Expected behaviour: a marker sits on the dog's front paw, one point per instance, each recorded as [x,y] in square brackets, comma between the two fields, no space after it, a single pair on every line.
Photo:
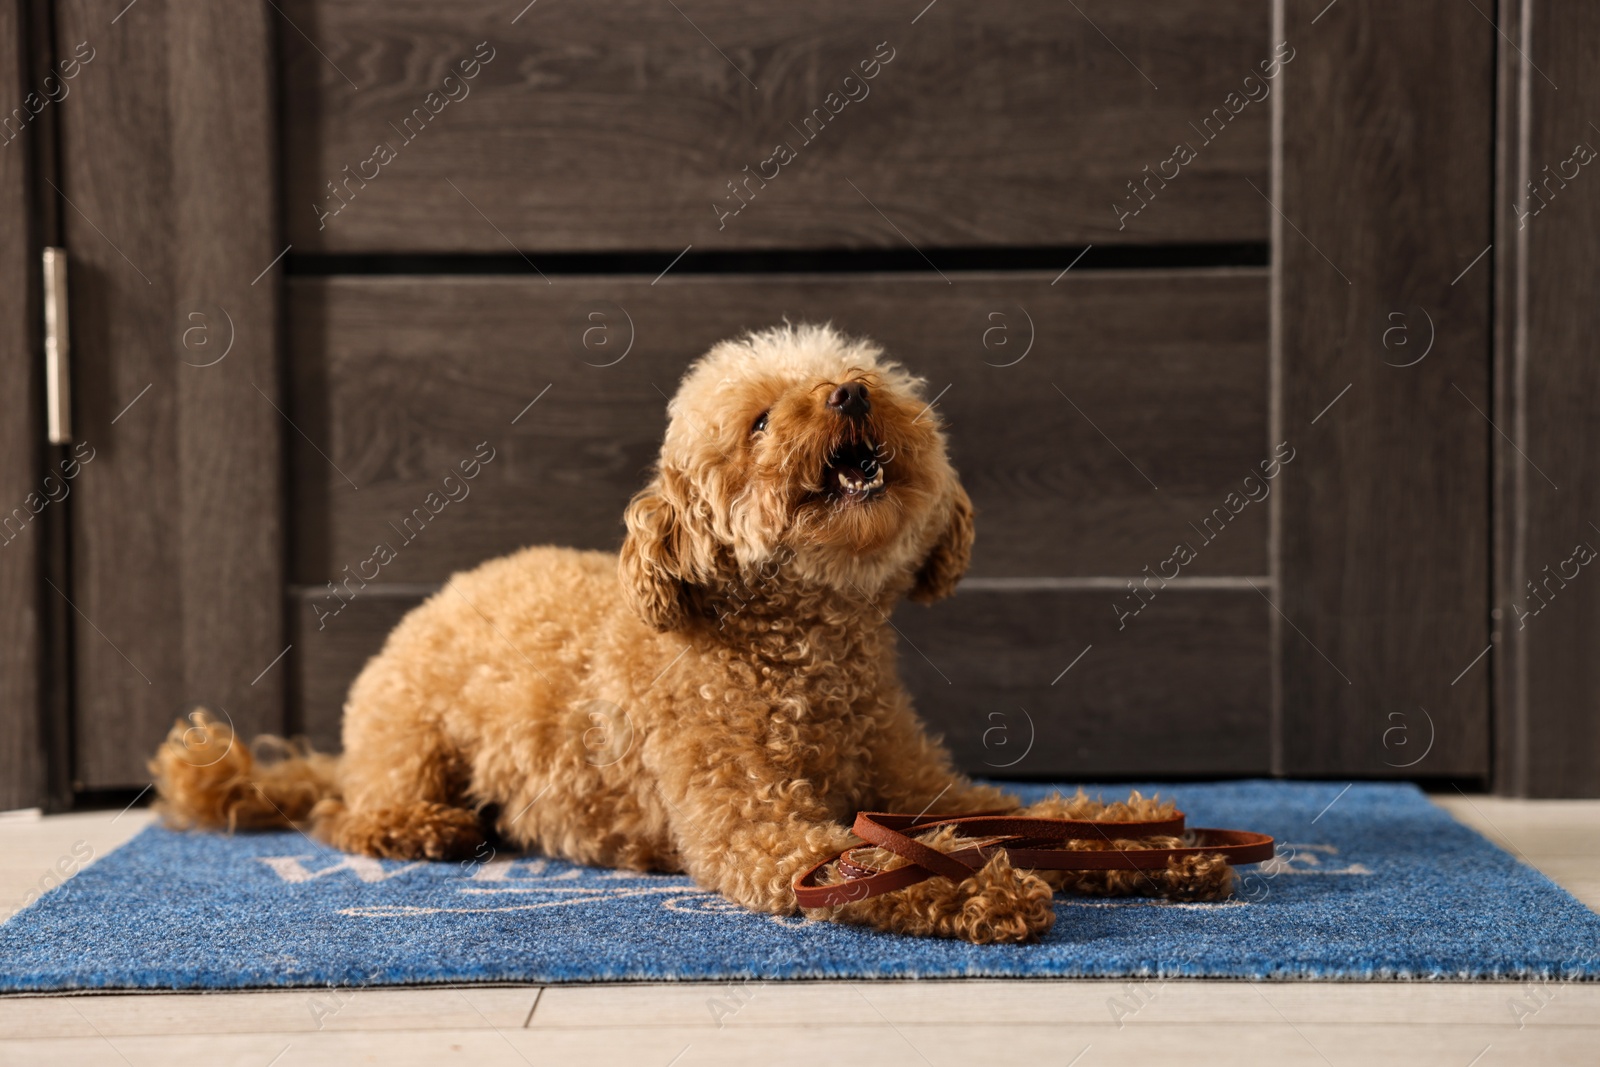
[996,905]
[1003,905]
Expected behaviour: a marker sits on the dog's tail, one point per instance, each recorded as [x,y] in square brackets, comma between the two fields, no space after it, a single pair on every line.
[205,777]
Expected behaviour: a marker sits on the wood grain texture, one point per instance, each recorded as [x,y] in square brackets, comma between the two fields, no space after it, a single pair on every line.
[178,568]
[1181,689]
[289,1012]
[1133,381]
[1547,601]
[913,1004]
[619,126]
[1386,175]
[1279,1043]
[22,763]
[330,651]
[1512,84]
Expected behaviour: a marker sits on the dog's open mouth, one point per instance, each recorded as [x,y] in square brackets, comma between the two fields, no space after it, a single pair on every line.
[853,472]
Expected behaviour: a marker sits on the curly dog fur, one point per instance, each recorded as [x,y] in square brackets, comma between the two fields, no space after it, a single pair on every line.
[718,699]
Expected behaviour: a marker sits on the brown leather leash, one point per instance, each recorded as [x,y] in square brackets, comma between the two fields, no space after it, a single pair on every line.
[1032,843]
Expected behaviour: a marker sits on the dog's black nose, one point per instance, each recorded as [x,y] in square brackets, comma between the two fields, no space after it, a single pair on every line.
[850,400]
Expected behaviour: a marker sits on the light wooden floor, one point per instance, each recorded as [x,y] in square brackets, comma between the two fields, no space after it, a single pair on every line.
[1057,1023]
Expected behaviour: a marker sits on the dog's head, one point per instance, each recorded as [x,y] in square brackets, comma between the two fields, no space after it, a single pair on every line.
[796,452]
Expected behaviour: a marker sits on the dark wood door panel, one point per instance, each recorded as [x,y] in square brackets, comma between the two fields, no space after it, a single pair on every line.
[1386,521]
[24,494]
[1097,422]
[1047,683]
[1547,601]
[620,125]
[169,216]
[329,652]
[1037,683]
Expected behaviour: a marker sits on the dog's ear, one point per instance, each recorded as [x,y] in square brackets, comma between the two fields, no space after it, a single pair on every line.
[947,561]
[656,562]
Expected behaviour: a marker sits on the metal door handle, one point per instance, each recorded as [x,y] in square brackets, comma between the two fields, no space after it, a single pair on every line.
[57,349]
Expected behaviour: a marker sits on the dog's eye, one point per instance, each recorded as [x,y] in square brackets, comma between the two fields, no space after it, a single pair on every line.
[760,423]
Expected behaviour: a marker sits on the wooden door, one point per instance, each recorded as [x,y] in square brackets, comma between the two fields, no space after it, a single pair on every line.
[1147,257]
[167,210]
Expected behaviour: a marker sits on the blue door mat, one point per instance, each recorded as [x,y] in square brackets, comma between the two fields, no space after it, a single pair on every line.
[1372,882]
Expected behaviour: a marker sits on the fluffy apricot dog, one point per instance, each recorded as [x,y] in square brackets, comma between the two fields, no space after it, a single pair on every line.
[720,699]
